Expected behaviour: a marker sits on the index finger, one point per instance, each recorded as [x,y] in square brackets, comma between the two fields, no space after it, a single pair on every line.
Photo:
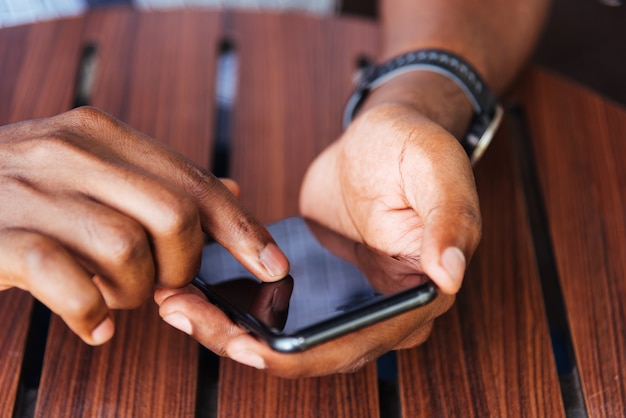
[236,229]
[221,215]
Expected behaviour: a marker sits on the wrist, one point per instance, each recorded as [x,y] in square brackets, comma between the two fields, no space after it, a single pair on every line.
[433,95]
[487,112]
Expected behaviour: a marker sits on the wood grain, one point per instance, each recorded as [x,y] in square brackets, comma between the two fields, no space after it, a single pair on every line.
[491,354]
[155,73]
[15,307]
[41,68]
[147,369]
[295,75]
[248,393]
[580,144]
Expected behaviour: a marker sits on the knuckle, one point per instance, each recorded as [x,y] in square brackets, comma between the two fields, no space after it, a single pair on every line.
[129,294]
[447,301]
[87,115]
[470,214]
[242,227]
[473,216]
[52,145]
[40,255]
[198,181]
[80,306]
[177,215]
[416,338]
[91,122]
[125,243]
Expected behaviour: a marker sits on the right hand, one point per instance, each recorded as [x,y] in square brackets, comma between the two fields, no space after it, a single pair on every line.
[94,214]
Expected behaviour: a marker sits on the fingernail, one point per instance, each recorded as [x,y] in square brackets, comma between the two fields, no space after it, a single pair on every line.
[273,260]
[103,332]
[453,260]
[179,321]
[248,358]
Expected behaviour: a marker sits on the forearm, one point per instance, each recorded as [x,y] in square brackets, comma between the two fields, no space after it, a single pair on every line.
[494,36]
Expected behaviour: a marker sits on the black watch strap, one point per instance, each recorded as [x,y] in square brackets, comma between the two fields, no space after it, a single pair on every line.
[487,112]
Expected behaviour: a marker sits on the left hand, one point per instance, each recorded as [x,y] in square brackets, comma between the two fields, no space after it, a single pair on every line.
[402,185]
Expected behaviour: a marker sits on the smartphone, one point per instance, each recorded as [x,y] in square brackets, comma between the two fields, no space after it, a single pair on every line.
[335,286]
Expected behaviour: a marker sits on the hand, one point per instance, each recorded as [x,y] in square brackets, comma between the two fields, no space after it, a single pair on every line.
[403,186]
[95,215]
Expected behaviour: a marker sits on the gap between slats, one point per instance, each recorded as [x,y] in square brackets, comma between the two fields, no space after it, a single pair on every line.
[558,325]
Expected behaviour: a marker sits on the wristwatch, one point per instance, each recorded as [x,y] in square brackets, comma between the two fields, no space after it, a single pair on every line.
[487,111]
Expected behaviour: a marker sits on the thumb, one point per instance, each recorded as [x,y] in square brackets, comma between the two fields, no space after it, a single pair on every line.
[451,235]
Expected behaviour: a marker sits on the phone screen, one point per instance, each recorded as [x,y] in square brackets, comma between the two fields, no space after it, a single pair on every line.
[335,286]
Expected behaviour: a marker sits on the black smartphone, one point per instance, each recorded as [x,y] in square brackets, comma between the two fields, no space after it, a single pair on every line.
[335,286]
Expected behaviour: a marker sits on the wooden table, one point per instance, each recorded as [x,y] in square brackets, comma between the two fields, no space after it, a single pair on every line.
[552,262]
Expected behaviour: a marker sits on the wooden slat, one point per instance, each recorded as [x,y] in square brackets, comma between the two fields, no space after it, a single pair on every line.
[170,89]
[12,51]
[155,73]
[15,307]
[491,354]
[31,86]
[295,75]
[248,393]
[47,60]
[580,144]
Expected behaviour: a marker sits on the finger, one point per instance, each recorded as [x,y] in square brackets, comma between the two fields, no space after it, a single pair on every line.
[242,235]
[106,242]
[221,215]
[451,234]
[164,210]
[169,216]
[189,311]
[41,266]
